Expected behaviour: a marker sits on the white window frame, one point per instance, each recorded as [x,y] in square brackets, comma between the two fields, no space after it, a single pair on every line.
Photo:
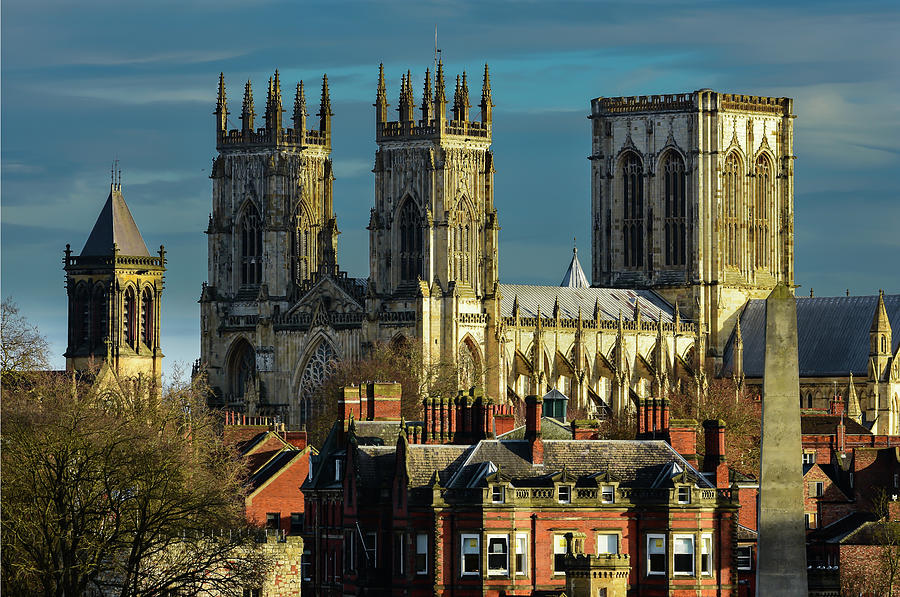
[693,554]
[495,490]
[809,458]
[749,549]
[374,538]
[462,554]
[683,489]
[559,494]
[816,488]
[559,542]
[651,537]
[337,469]
[521,542]
[497,571]
[601,535]
[400,542]
[611,489]
[811,521]
[421,550]
[706,545]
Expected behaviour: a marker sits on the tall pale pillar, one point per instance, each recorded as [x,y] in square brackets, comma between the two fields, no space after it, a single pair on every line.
[782,537]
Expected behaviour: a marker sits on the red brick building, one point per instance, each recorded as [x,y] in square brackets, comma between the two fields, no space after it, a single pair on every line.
[446,508]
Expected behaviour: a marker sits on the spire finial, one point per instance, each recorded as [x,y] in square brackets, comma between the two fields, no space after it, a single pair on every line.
[325,113]
[221,105]
[486,102]
[300,112]
[248,113]
[381,103]
[427,101]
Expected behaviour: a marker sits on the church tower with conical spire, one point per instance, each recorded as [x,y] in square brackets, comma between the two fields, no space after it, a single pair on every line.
[114,287]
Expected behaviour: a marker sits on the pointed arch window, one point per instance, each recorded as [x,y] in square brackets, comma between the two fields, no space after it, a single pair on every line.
[633,214]
[147,318]
[675,206]
[318,367]
[301,247]
[98,322]
[81,322]
[241,368]
[462,245]
[410,230]
[760,219]
[733,205]
[251,247]
[130,317]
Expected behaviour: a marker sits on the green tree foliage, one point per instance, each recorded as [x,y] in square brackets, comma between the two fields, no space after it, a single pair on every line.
[105,490]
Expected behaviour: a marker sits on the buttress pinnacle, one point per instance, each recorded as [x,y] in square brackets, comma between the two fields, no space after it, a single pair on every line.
[300,112]
[248,112]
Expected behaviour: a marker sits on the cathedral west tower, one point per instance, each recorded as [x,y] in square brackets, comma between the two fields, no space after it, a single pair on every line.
[272,233]
[692,196]
[114,289]
[433,229]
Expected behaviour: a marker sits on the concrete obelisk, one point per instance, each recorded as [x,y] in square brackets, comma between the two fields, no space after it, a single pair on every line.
[781,561]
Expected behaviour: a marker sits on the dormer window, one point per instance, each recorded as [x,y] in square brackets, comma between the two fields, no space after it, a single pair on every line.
[564,494]
[608,494]
[683,494]
[498,494]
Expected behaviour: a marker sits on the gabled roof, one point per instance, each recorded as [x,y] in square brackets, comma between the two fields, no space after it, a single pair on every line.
[827,425]
[840,529]
[610,300]
[115,225]
[833,335]
[272,468]
[550,429]
[574,276]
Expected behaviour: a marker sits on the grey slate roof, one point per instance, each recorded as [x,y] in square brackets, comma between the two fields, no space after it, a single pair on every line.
[827,425]
[115,225]
[833,334]
[550,429]
[574,276]
[636,463]
[611,300]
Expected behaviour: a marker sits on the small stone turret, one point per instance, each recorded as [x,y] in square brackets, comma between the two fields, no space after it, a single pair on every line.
[427,100]
[880,340]
[440,95]
[274,107]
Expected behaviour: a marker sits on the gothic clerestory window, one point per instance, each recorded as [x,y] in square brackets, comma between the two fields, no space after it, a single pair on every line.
[81,317]
[733,205]
[633,214]
[674,205]
[762,209]
[410,230]
[301,247]
[251,247]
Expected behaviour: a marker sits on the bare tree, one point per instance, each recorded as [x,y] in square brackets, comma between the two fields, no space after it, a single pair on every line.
[723,399]
[104,491]
[22,348]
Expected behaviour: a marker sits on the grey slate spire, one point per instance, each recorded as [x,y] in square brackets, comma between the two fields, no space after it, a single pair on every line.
[115,226]
[575,277]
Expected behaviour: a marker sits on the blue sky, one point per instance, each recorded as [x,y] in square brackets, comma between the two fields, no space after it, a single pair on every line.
[84,83]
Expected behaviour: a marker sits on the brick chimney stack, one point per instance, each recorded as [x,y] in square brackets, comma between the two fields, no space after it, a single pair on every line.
[683,438]
[715,461]
[534,407]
